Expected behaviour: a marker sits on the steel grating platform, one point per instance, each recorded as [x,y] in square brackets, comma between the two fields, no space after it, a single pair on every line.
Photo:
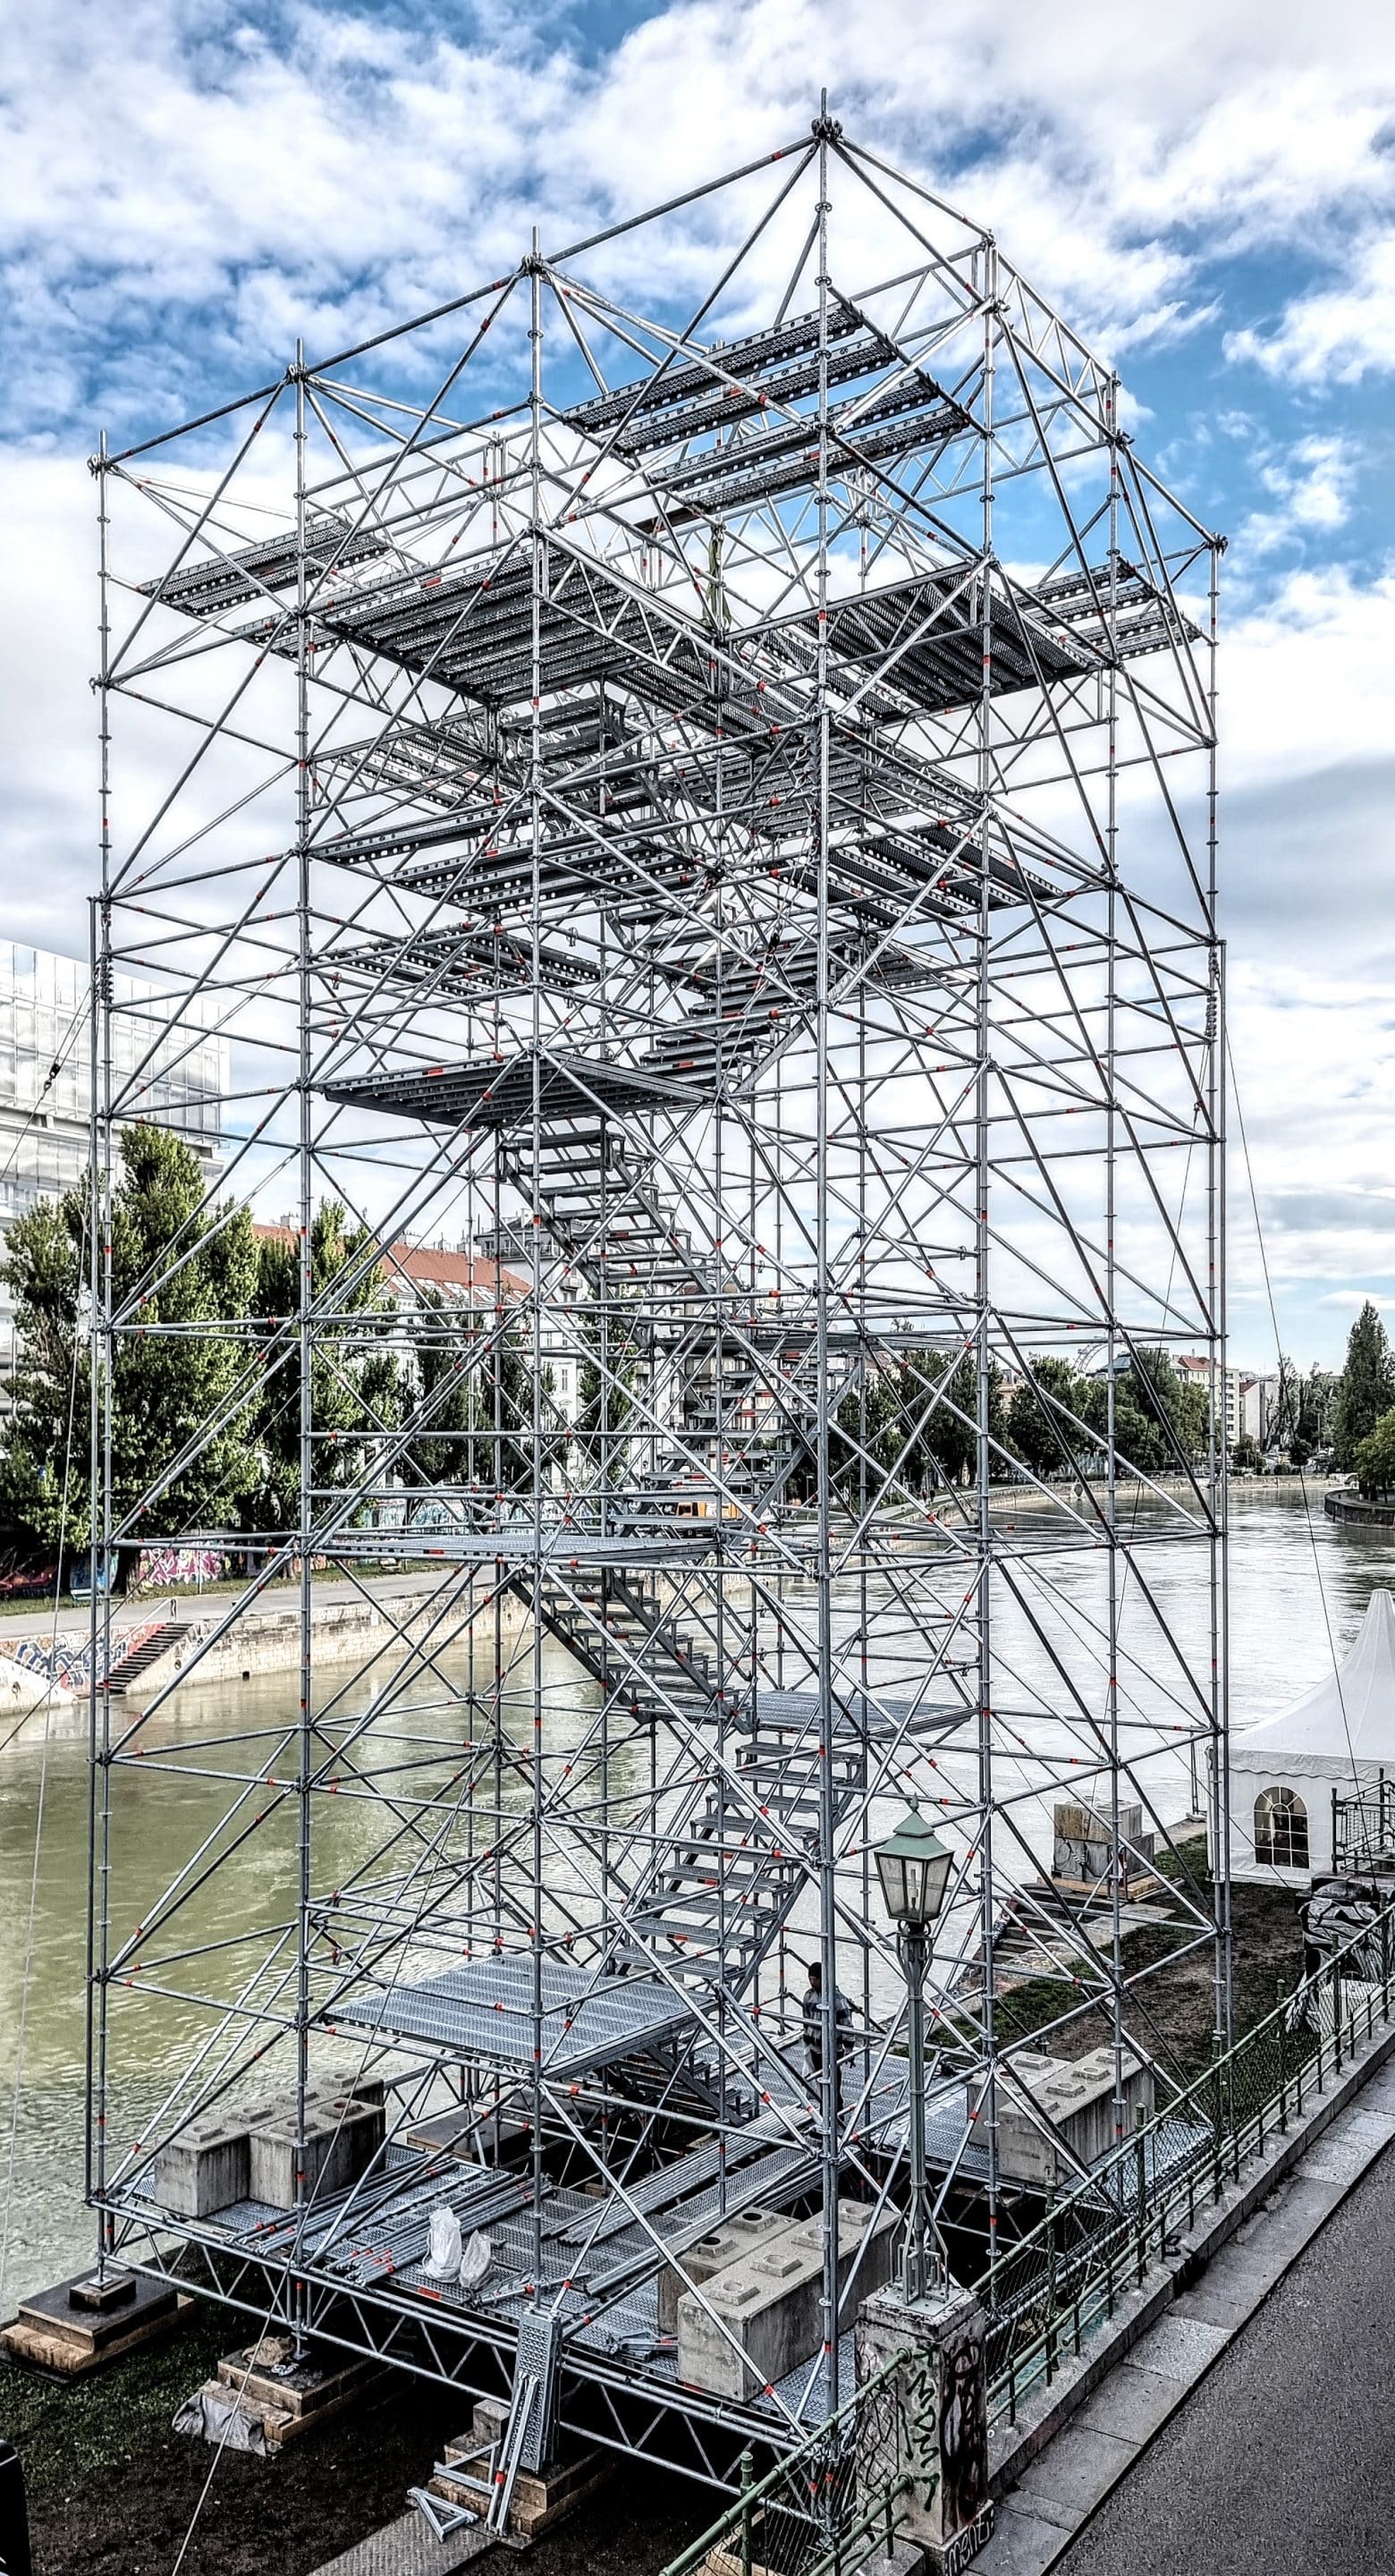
[484,2008]
[490,1094]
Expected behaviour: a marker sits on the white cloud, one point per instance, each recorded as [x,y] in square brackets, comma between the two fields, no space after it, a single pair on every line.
[1311,486]
[175,161]
[1334,334]
[1308,680]
[182,194]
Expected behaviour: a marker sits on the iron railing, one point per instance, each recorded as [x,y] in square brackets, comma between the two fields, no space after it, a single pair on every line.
[839,2498]
[1047,2293]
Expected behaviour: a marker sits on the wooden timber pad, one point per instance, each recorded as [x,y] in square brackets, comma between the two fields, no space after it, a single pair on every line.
[287,2397]
[81,2324]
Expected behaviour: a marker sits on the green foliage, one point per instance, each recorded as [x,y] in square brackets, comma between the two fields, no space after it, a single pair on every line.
[606,1380]
[912,1427]
[175,1408]
[1367,1388]
[474,1402]
[1317,1408]
[448,1397]
[1042,1436]
[356,1388]
[1375,1456]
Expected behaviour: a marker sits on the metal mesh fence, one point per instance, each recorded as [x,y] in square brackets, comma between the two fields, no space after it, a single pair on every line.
[1046,2294]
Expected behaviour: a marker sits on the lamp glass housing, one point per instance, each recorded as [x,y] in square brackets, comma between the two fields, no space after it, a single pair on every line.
[913,1866]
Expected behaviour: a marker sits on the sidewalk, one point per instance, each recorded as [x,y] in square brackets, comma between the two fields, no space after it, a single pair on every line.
[34,1620]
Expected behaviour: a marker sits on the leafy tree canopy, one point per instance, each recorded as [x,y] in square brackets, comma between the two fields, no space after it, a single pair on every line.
[179,1398]
[356,1391]
[1368,1385]
[1375,1456]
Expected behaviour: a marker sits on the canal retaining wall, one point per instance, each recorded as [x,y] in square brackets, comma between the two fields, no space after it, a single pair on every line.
[265,1641]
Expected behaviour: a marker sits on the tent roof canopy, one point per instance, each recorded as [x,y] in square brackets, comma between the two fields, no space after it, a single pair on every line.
[1347,1722]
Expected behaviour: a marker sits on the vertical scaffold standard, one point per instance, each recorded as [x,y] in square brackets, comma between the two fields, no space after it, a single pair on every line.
[709,809]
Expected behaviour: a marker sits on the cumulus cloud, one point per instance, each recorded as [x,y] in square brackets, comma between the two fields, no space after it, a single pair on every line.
[1335,333]
[209,186]
[185,189]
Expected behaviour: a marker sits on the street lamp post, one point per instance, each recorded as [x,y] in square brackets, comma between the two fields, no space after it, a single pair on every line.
[913,1866]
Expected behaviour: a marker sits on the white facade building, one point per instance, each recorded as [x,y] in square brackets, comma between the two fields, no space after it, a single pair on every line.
[1197,1372]
[178,1076]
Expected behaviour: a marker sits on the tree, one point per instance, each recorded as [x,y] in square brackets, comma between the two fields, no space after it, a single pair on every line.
[1317,1408]
[447,1402]
[1375,1456]
[606,1379]
[1044,1439]
[1368,1385]
[355,1378]
[917,1423]
[180,1423]
[1285,1421]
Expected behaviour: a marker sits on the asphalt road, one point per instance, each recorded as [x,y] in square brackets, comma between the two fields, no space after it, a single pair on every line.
[1282,2461]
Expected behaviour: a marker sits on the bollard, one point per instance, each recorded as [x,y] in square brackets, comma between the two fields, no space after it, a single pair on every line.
[14,2515]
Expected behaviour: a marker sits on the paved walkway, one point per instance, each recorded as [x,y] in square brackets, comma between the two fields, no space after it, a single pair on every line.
[1252,2428]
[36,1621]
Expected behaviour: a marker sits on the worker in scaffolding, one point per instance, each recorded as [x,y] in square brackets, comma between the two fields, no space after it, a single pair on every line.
[814,2022]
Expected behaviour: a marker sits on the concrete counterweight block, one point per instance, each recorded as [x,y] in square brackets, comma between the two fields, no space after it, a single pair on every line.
[204,2168]
[342,2136]
[1084,1847]
[210,2164]
[1066,2119]
[749,2232]
[768,2307]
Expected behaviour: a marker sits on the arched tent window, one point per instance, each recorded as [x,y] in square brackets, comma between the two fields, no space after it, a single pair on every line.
[1281,1829]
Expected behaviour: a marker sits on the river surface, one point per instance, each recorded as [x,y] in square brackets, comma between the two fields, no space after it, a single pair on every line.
[1299,1585]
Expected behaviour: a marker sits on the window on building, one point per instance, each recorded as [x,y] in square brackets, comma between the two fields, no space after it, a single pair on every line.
[1281,1829]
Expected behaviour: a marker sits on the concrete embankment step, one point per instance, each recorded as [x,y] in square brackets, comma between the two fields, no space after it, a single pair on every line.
[158,1641]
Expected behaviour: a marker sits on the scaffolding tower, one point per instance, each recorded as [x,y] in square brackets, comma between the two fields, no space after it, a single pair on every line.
[710,807]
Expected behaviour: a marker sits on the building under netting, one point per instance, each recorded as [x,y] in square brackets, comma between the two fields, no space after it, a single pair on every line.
[715,797]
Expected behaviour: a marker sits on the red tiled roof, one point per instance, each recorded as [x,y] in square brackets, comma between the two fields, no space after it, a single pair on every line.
[429,1265]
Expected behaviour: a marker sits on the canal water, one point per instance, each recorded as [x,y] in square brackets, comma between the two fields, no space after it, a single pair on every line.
[1299,1585]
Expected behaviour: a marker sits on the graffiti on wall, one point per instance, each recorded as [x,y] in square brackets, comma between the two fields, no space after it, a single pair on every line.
[157,1567]
[963,2430]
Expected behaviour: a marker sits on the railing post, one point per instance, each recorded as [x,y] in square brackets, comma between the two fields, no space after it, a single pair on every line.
[1140,2170]
[1336,2017]
[1283,2060]
[746,2470]
[1050,2283]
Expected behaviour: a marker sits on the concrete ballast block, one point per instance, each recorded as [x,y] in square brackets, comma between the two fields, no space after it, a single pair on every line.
[771,2303]
[204,2168]
[341,2139]
[1067,2118]
[749,2232]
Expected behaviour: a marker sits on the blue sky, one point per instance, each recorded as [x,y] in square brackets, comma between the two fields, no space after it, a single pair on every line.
[1208,191]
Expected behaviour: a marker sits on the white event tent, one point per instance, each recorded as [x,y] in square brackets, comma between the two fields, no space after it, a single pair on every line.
[1285,1773]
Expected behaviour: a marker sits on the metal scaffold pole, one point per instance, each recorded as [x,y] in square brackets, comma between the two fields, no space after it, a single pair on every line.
[650,918]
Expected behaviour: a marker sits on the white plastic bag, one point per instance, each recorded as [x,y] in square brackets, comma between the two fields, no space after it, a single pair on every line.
[443,2244]
[476,2259]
